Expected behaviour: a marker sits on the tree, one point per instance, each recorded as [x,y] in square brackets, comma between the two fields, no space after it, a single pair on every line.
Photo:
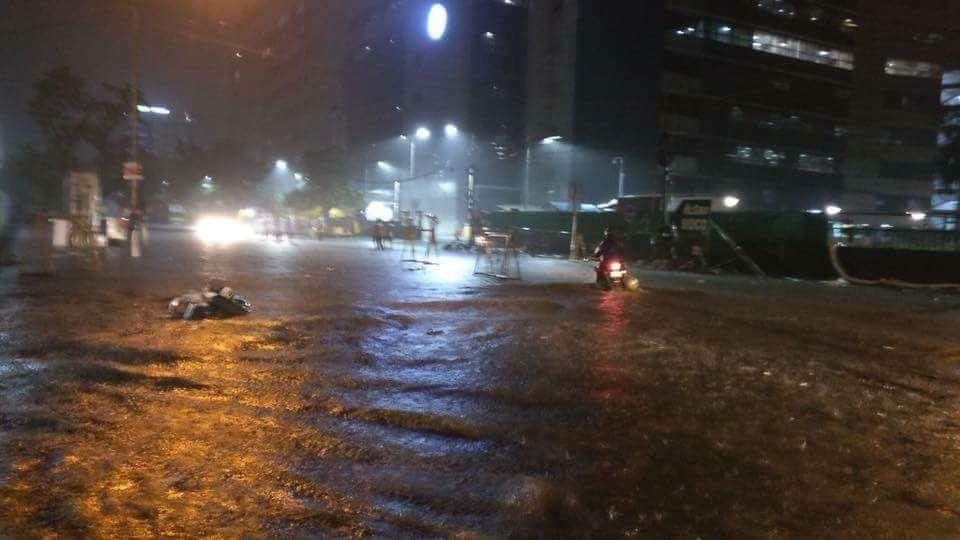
[328,185]
[234,174]
[59,107]
[79,128]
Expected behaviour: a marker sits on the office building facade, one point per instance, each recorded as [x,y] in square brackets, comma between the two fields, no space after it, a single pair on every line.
[781,104]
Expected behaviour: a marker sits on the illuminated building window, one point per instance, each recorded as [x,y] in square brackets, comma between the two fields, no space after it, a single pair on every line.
[780,8]
[817,164]
[951,78]
[757,156]
[801,50]
[950,97]
[767,42]
[909,68]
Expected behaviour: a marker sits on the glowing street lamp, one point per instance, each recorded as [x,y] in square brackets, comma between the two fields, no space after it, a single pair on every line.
[731,202]
[437,22]
[281,165]
[833,210]
[423,133]
[451,130]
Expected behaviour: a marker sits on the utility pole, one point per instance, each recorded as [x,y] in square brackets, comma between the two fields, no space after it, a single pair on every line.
[134,179]
[620,161]
[413,157]
[396,199]
[526,176]
[574,192]
[472,205]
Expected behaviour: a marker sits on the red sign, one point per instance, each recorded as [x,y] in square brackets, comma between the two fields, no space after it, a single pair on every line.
[132,171]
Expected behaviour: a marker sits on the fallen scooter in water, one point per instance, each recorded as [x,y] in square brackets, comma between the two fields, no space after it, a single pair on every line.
[215,301]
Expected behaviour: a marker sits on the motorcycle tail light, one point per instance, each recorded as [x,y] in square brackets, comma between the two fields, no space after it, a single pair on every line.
[615,265]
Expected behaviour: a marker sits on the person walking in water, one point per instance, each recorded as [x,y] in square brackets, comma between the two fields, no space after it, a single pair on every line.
[378,235]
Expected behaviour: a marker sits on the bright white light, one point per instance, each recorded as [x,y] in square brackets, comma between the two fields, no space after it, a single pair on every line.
[448,187]
[437,22]
[552,139]
[833,210]
[384,166]
[222,231]
[153,110]
[489,35]
[297,176]
[815,211]
[423,133]
[281,164]
[451,130]
[248,213]
[731,201]
[378,210]
[725,29]
[918,216]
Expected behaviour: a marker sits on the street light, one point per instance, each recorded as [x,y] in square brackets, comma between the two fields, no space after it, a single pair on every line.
[451,130]
[730,201]
[423,133]
[621,176]
[833,210]
[528,159]
[297,176]
[437,22]
[384,166]
[281,165]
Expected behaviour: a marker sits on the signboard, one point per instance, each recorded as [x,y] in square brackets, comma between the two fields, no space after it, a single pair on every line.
[132,171]
[83,196]
[692,216]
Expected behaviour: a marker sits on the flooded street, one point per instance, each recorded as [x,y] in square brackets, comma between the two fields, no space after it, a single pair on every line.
[365,396]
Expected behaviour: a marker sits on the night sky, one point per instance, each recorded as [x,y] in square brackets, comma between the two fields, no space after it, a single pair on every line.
[185,45]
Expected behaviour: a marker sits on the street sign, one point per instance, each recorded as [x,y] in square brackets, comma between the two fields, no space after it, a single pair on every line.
[132,170]
[692,216]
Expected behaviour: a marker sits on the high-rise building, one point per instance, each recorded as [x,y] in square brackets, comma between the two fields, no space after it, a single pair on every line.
[286,77]
[434,87]
[399,88]
[784,104]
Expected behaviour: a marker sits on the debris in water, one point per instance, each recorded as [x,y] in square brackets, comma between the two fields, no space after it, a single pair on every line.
[215,300]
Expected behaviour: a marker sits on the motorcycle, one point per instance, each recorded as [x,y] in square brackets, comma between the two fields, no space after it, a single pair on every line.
[612,273]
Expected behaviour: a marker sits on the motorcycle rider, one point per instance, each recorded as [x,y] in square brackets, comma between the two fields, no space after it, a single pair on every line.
[609,248]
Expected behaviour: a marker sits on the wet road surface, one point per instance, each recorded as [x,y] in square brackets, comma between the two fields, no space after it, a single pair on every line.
[366,396]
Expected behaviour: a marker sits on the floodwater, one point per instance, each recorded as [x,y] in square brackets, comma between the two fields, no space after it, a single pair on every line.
[366,396]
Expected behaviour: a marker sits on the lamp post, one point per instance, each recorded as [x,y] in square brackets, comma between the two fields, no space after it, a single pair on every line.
[622,175]
[526,177]
[134,126]
[528,160]
[396,198]
[422,134]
